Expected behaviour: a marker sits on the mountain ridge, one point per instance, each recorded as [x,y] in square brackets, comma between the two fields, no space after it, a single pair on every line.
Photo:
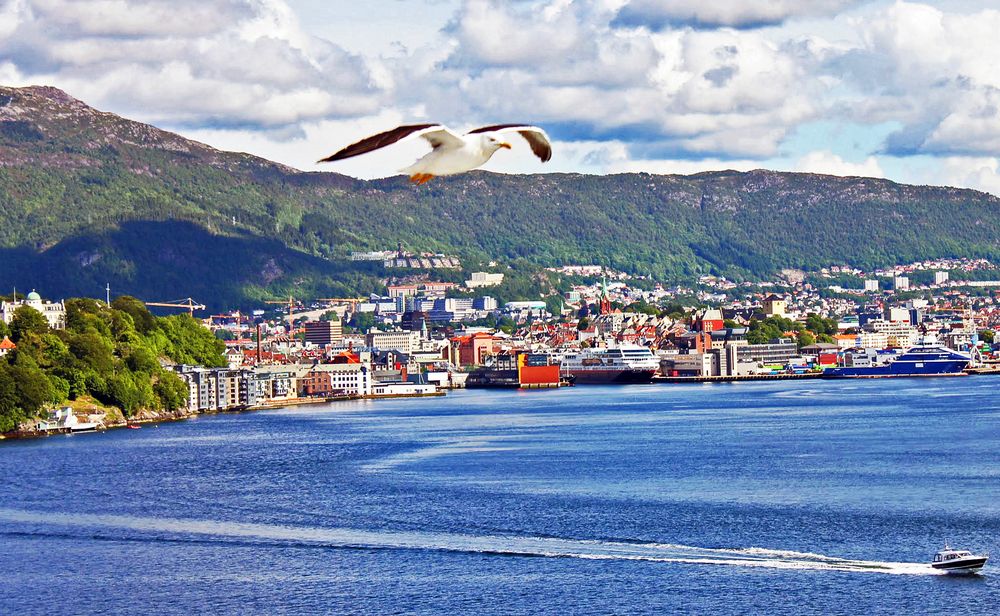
[70,174]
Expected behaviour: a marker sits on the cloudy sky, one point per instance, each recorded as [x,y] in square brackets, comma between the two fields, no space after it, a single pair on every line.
[903,90]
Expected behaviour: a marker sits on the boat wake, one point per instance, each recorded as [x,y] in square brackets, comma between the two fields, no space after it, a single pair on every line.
[129,528]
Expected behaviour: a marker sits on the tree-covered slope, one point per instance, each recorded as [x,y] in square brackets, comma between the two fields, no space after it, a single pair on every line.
[108,353]
[89,197]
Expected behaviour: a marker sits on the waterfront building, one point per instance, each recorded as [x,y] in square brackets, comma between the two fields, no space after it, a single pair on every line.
[872,340]
[473,349]
[775,353]
[54,312]
[351,379]
[899,334]
[218,389]
[882,334]
[394,390]
[403,341]
[275,383]
[687,364]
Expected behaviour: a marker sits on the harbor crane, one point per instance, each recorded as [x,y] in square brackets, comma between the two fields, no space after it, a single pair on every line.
[291,307]
[187,303]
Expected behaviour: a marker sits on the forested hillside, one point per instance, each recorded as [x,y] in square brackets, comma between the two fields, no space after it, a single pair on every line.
[90,198]
[111,354]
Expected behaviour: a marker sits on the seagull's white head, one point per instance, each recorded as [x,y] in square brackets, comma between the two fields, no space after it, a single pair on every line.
[491,142]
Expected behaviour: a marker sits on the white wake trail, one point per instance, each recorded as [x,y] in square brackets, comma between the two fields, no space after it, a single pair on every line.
[506,545]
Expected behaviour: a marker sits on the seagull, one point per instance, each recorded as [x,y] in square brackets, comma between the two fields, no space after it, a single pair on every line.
[452,153]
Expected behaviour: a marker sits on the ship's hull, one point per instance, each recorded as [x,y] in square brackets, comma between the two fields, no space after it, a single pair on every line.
[618,376]
[528,377]
[899,369]
[962,565]
[492,379]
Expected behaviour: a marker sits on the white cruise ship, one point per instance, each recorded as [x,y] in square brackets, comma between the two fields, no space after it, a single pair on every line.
[626,364]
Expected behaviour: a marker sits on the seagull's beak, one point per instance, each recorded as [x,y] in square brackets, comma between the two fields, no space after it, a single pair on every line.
[503,144]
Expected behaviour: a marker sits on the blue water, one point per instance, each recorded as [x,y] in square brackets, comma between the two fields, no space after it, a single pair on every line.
[785,497]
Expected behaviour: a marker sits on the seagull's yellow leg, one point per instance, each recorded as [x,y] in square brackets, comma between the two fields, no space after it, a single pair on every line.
[427,177]
[415,178]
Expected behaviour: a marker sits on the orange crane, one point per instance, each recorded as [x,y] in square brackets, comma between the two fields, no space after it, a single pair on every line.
[291,306]
[188,303]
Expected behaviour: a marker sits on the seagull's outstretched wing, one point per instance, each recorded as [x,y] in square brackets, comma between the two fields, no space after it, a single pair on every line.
[436,134]
[535,136]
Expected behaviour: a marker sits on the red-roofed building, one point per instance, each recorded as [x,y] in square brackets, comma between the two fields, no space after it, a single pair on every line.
[473,349]
[266,357]
[6,346]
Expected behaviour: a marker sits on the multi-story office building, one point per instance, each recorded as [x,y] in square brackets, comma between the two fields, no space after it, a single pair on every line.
[323,333]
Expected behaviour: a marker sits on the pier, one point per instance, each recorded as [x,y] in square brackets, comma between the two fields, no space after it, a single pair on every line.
[736,378]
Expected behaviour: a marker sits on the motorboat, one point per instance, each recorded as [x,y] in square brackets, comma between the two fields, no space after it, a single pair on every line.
[958,561]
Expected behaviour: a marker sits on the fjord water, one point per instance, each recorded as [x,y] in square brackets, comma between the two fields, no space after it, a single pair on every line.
[804,497]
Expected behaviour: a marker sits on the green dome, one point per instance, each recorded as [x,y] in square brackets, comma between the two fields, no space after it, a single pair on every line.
[34,297]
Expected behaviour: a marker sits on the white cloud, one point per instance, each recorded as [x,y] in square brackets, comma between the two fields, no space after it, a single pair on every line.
[691,93]
[826,162]
[980,173]
[742,14]
[193,63]
[929,70]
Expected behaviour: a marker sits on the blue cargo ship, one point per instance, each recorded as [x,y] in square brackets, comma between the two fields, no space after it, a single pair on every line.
[926,358]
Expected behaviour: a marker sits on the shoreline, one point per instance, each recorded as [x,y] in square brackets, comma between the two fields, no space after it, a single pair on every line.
[158,417]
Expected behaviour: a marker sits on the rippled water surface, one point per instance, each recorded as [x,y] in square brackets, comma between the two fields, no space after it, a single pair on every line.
[786,497]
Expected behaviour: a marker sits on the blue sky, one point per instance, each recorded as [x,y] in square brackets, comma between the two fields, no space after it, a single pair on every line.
[903,90]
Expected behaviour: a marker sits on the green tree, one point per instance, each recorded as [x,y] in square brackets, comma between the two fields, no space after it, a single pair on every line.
[554,304]
[11,413]
[143,319]
[362,321]
[34,390]
[171,391]
[27,321]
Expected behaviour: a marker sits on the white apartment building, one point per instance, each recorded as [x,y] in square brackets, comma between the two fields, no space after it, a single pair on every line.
[484,279]
[54,312]
[402,341]
[881,334]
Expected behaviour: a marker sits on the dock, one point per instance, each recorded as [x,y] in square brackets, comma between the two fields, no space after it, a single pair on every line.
[985,369]
[736,378]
